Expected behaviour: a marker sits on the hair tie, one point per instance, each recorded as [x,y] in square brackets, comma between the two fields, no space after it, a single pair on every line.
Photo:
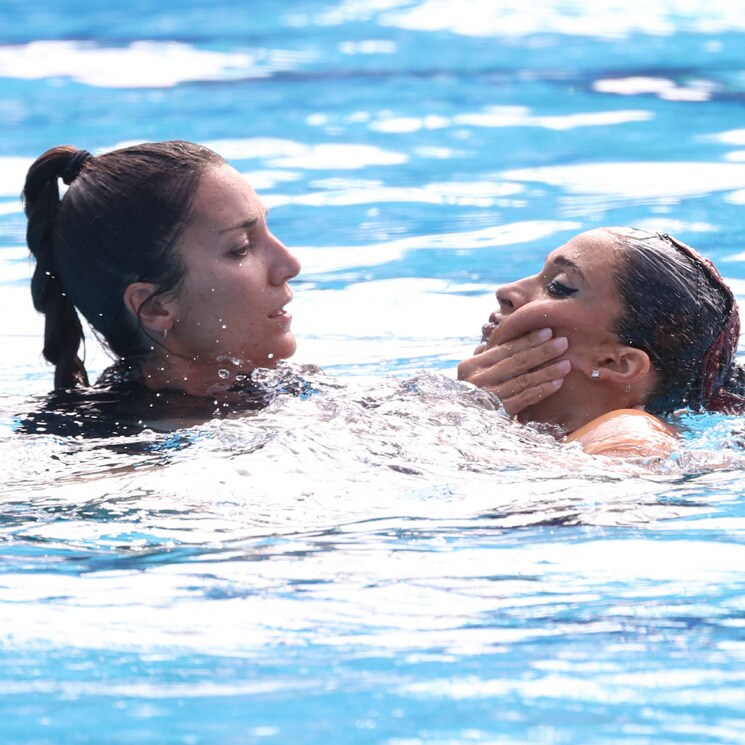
[72,169]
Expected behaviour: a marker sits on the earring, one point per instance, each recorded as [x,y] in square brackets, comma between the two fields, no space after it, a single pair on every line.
[595,373]
[165,333]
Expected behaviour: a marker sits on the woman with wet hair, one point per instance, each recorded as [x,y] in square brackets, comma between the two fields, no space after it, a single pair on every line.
[164,250]
[648,325]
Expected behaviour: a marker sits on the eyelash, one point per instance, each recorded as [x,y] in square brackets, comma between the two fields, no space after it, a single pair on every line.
[241,252]
[558,289]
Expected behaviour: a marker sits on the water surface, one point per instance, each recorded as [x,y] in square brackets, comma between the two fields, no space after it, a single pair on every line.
[388,560]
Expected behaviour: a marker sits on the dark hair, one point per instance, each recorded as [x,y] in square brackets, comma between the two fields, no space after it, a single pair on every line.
[680,312]
[116,224]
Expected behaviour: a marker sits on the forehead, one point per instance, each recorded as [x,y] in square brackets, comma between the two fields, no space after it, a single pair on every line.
[596,253]
[224,198]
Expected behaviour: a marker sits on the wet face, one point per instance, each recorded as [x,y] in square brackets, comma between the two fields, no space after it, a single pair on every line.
[230,308]
[575,294]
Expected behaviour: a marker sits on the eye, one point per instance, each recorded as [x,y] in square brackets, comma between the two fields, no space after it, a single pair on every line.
[240,252]
[559,289]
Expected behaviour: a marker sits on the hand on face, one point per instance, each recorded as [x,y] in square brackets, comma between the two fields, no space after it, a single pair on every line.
[519,371]
[573,299]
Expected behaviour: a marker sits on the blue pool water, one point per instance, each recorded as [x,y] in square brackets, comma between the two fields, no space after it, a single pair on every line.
[388,560]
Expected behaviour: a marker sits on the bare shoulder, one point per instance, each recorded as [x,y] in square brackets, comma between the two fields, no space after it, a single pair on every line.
[626,433]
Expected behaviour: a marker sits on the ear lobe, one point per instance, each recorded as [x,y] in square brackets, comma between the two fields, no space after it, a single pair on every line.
[150,309]
[627,365]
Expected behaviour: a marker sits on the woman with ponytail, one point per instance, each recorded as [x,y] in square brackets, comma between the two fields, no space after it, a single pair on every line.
[164,250]
[649,326]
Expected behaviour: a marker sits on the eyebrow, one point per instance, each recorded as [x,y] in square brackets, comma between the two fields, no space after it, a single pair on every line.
[569,264]
[249,222]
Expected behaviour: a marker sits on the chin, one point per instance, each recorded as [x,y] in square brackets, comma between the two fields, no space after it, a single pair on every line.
[283,351]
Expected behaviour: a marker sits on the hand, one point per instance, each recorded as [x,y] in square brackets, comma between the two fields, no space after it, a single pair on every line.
[516,371]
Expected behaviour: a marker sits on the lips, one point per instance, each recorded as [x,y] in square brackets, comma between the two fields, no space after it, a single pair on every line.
[281,313]
[488,328]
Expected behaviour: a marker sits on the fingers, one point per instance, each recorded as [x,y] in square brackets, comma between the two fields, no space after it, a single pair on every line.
[515,386]
[530,396]
[518,393]
[519,372]
[495,366]
[520,343]
[510,347]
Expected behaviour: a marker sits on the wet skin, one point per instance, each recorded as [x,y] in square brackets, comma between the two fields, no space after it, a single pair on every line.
[229,312]
[574,296]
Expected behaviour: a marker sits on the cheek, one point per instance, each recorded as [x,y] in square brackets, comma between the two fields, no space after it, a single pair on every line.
[537,315]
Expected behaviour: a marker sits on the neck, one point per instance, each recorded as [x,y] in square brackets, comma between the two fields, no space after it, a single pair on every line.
[195,377]
[573,407]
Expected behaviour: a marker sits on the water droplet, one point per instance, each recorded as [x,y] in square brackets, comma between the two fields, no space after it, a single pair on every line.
[224,326]
[224,374]
[270,355]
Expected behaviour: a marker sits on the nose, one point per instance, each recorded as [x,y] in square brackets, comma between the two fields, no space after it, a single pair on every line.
[512,296]
[285,265]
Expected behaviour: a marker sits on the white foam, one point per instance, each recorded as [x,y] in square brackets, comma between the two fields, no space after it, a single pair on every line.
[256,148]
[10,208]
[413,308]
[509,116]
[674,227]
[558,122]
[729,137]
[12,177]
[344,156]
[408,124]
[141,64]
[281,153]
[737,197]
[369,46]
[478,194]
[640,180]
[662,87]
[509,18]
[334,258]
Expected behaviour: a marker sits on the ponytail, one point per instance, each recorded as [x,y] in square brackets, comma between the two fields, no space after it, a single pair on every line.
[63,332]
[118,223]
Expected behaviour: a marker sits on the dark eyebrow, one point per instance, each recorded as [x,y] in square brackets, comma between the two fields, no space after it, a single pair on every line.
[247,223]
[569,264]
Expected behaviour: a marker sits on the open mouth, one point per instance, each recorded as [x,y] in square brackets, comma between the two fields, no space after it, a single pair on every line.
[488,328]
[282,311]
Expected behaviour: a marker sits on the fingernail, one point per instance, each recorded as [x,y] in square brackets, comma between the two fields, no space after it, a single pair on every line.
[556,384]
[560,343]
[543,334]
[563,367]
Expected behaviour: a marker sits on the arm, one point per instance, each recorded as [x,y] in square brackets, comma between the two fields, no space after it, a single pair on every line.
[626,433]
[519,372]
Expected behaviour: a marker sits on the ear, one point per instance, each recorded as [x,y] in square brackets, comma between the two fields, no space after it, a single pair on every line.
[625,365]
[153,311]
